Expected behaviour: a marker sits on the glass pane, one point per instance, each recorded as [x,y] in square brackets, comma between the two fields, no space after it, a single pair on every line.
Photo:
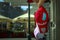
[14,18]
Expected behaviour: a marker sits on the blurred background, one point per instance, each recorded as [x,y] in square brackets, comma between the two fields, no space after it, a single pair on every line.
[14,19]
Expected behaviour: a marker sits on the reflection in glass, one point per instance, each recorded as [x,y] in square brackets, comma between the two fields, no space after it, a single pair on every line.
[18,27]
